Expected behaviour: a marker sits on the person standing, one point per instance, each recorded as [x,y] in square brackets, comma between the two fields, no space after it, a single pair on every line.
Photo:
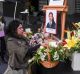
[2,39]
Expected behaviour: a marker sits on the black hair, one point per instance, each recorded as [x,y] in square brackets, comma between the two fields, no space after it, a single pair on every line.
[2,19]
[12,28]
[51,13]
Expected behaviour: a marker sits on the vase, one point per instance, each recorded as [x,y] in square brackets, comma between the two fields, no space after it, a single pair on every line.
[75,61]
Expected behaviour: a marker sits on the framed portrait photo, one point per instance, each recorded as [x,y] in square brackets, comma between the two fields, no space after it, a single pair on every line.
[51,21]
[56,2]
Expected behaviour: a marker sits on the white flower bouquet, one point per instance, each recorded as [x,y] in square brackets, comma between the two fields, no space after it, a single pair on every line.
[51,55]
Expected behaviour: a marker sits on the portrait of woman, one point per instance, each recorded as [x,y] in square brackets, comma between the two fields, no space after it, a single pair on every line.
[51,21]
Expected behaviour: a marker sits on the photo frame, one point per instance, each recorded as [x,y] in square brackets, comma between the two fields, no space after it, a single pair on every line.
[51,21]
[56,2]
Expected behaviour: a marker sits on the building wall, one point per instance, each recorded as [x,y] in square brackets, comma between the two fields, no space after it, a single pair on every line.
[1,8]
[71,6]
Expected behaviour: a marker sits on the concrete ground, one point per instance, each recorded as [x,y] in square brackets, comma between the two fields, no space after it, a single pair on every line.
[3,67]
[62,68]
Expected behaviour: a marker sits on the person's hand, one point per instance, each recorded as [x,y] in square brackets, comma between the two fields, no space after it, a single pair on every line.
[24,34]
[32,42]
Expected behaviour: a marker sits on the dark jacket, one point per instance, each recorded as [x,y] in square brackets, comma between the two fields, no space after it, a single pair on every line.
[53,25]
[18,53]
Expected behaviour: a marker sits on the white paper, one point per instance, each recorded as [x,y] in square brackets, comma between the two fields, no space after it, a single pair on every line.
[2,0]
[28,30]
[56,2]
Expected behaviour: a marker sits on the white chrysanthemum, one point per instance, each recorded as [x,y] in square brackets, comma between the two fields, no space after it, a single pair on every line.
[42,56]
[41,47]
[62,50]
[39,52]
[30,60]
[53,44]
[60,41]
[56,56]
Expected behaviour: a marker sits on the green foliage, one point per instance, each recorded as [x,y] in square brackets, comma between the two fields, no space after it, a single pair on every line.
[58,53]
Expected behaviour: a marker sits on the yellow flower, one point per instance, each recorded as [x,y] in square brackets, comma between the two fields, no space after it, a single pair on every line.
[71,42]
